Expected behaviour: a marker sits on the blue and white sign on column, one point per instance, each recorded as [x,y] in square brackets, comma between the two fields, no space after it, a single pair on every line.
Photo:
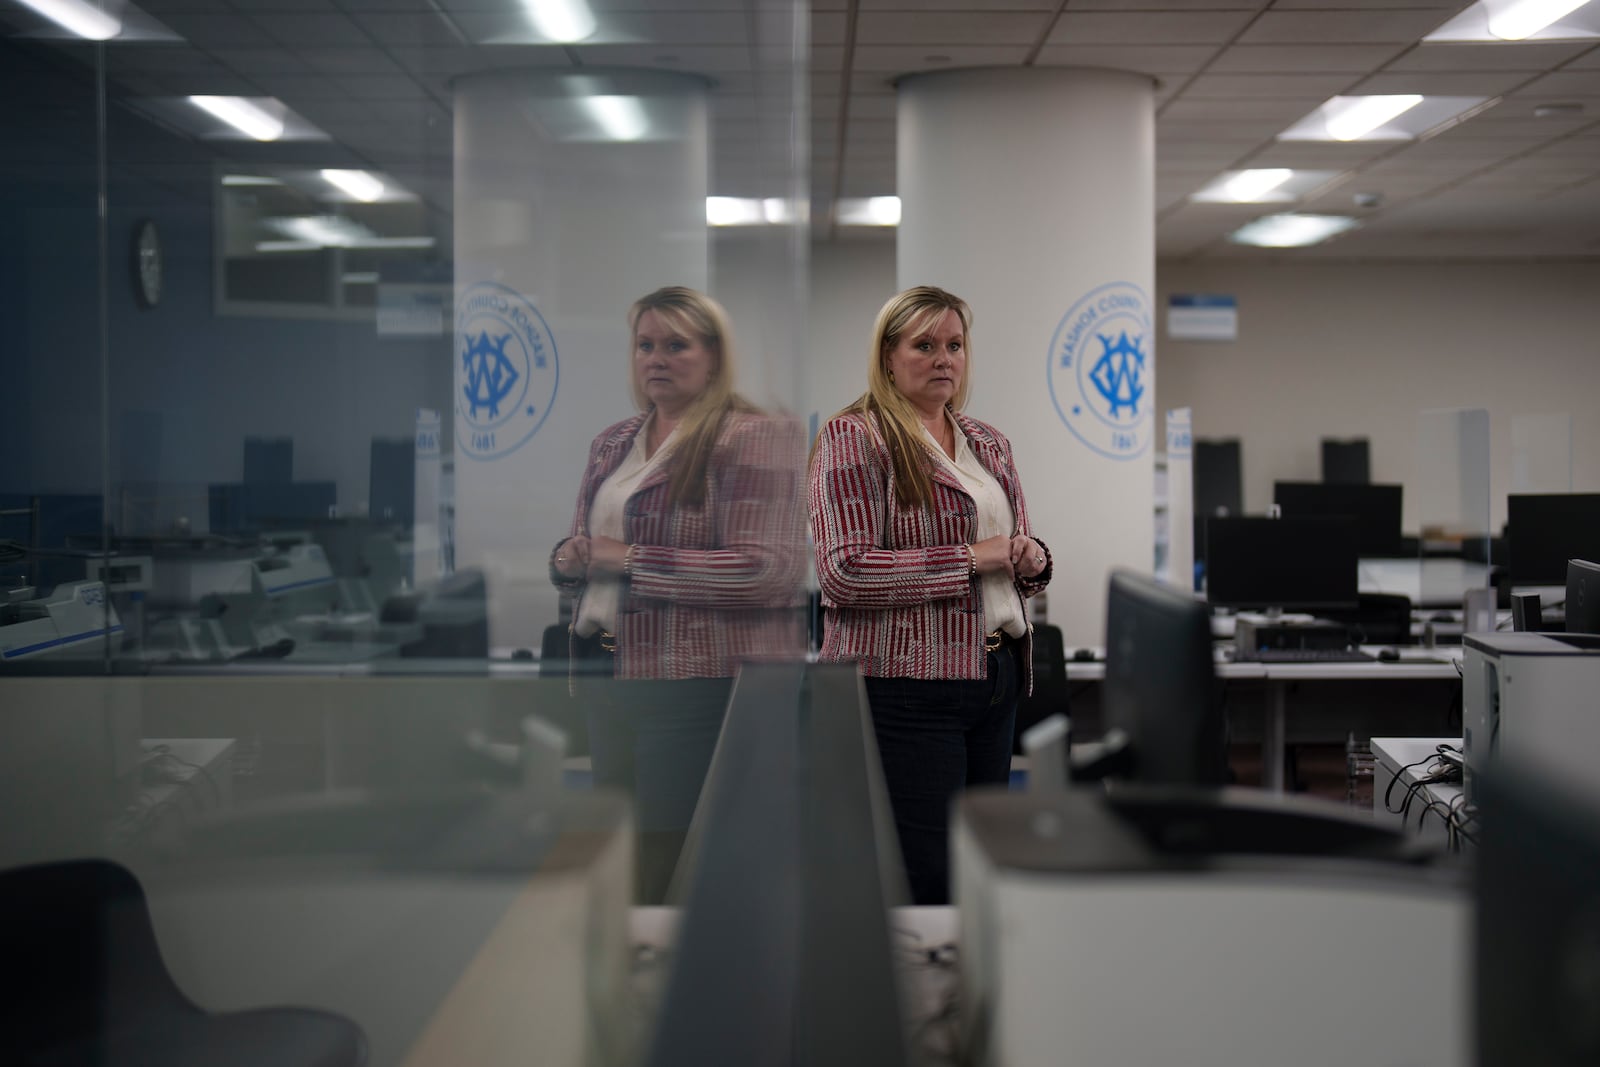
[1180,499]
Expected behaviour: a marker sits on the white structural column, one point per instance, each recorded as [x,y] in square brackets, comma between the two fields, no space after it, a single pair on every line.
[1030,194]
[575,194]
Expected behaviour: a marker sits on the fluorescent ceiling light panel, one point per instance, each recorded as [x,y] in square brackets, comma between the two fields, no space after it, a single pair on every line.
[1251,185]
[244,115]
[561,21]
[79,17]
[1527,17]
[358,183]
[620,118]
[1521,20]
[249,179]
[1341,118]
[1263,185]
[1290,231]
[1353,117]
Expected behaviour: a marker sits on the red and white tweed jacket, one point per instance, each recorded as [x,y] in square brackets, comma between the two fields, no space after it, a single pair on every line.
[713,584]
[895,581]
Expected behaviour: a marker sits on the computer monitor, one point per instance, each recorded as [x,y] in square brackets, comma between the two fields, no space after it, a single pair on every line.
[1583,597]
[1544,530]
[1301,564]
[1160,689]
[1346,462]
[1376,509]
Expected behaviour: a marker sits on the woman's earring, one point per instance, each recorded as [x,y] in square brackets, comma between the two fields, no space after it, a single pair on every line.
[891,377]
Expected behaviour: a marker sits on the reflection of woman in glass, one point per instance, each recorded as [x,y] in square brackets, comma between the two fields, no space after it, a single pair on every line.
[924,557]
[684,559]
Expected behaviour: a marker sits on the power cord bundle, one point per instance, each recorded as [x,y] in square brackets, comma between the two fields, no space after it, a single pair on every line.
[1443,770]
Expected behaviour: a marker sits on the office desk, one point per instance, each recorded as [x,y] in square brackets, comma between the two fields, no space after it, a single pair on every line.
[1392,757]
[1417,664]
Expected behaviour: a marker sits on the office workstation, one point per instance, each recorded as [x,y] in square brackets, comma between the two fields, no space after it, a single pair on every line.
[309,753]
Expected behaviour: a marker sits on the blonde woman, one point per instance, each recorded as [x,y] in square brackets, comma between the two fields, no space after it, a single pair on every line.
[924,556]
[683,559]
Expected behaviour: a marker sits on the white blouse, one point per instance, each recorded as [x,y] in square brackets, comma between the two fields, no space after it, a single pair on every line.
[597,610]
[1002,604]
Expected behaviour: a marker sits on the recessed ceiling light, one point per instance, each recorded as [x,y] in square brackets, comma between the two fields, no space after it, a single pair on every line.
[1291,231]
[1262,185]
[244,115]
[1357,116]
[1524,18]
[76,16]
[561,21]
[1521,20]
[1555,111]
[733,211]
[1384,118]
[358,183]
[868,211]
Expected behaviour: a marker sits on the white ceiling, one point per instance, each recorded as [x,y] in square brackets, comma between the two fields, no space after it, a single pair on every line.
[375,75]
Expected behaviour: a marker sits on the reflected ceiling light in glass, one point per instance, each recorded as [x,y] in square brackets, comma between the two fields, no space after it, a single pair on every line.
[621,118]
[1353,117]
[243,115]
[733,211]
[561,21]
[359,277]
[1517,21]
[358,183]
[1291,230]
[869,211]
[79,17]
[249,179]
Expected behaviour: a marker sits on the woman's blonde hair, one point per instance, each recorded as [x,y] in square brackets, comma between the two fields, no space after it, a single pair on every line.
[693,314]
[910,313]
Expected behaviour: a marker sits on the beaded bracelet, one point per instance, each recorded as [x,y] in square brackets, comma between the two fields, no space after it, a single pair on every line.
[972,562]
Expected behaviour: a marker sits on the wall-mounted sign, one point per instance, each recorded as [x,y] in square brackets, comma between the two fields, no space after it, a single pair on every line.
[1202,317]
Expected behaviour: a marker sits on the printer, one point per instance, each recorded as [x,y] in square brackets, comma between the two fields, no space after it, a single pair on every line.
[1535,696]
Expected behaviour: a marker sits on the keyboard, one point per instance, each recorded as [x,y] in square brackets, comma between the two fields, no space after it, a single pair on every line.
[1306,655]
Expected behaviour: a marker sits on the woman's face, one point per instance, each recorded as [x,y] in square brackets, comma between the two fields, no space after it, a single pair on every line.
[928,365]
[672,368]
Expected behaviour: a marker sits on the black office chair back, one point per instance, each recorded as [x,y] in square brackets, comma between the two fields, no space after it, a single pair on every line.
[85,955]
[1049,681]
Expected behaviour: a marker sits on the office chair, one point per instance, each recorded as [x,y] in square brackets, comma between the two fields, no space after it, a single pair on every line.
[1049,681]
[88,987]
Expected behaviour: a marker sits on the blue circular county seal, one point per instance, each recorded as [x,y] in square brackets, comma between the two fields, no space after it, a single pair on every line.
[506,370]
[1101,370]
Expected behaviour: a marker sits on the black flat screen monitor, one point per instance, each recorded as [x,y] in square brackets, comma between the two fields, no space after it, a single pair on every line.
[1583,597]
[1376,509]
[1299,564]
[1544,530]
[1160,685]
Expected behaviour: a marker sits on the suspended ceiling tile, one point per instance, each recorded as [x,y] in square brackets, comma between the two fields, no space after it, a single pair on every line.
[1441,83]
[1147,27]
[301,30]
[349,61]
[408,30]
[1303,58]
[211,30]
[688,59]
[905,60]
[1579,83]
[950,28]
[1382,25]
[1316,87]
[1481,58]
[248,61]
[1145,59]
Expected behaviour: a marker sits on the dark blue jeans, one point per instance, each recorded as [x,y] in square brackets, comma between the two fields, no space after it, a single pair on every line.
[936,738]
[654,740]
